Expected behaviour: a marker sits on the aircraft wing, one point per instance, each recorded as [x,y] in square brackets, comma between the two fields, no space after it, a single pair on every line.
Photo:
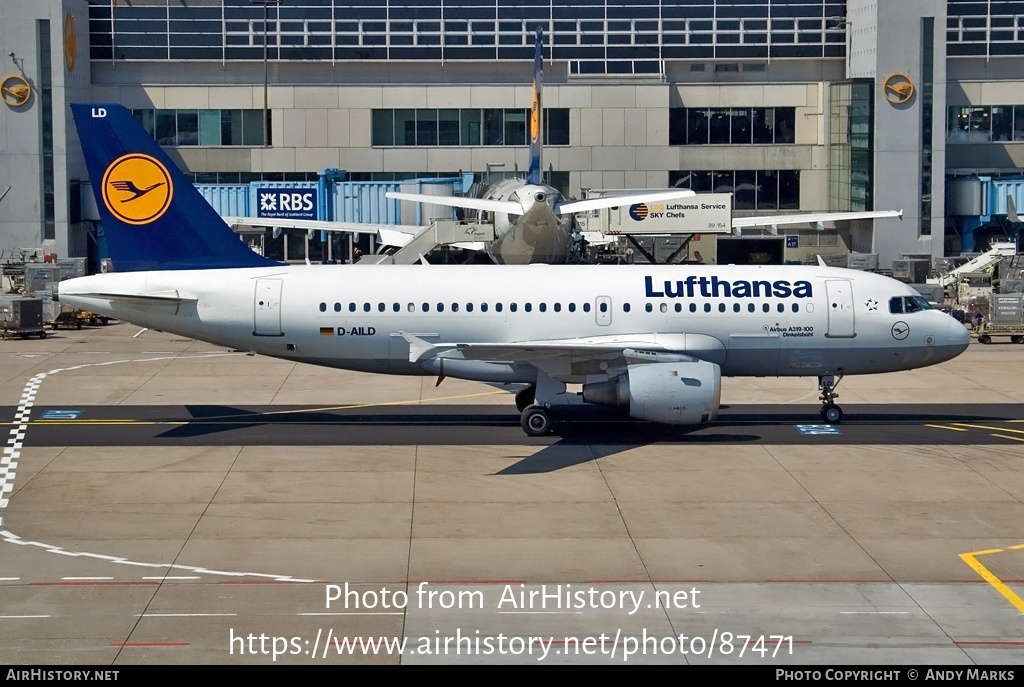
[313,225]
[810,218]
[488,205]
[615,201]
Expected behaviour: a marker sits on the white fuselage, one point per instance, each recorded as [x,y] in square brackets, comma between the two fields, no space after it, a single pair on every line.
[750,320]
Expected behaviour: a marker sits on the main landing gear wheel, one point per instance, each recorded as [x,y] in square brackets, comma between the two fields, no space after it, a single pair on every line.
[525,398]
[535,421]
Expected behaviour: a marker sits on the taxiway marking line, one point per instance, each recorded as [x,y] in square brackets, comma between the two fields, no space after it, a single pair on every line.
[994,429]
[186,615]
[1003,436]
[21,617]
[972,561]
[953,429]
[171,577]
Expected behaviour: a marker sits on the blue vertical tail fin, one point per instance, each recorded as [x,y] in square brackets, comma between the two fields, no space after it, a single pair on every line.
[153,217]
[537,113]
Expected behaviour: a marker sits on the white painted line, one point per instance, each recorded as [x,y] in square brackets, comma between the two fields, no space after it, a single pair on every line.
[21,617]
[187,615]
[7,485]
[874,612]
[172,577]
[9,579]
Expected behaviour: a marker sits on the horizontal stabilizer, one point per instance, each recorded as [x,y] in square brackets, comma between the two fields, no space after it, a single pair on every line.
[139,299]
[505,206]
[811,218]
[618,201]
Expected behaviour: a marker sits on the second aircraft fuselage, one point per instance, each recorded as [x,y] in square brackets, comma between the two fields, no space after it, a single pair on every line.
[750,320]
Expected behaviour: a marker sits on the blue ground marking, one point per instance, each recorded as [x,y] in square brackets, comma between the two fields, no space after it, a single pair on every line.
[60,414]
[818,429]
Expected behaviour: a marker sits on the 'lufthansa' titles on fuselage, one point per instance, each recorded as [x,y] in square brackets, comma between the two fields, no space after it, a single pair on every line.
[713,287]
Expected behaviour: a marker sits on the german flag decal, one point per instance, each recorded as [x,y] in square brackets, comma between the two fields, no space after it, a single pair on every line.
[326,331]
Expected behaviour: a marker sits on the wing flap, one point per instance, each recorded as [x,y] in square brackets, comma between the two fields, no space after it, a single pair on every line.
[589,348]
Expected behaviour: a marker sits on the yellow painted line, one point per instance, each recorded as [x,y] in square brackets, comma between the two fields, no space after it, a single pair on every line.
[1015,420]
[387,403]
[1003,436]
[1018,546]
[987,575]
[954,429]
[994,429]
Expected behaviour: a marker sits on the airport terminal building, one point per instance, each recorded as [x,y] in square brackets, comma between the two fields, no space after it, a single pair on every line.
[792,105]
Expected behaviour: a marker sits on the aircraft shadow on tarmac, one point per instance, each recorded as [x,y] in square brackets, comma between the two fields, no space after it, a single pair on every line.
[580,435]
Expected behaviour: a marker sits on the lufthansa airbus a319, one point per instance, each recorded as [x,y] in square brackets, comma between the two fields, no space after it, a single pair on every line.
[653,341]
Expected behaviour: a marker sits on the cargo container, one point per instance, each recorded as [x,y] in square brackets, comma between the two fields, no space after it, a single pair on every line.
[24,319]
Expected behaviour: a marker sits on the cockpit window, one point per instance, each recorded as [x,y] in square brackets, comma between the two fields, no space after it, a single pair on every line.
[899,305]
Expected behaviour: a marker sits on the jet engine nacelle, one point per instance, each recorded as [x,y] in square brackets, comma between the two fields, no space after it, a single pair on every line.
[684,393]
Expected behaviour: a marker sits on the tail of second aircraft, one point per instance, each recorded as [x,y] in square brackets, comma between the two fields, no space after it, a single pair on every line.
[537,113]
[153,217]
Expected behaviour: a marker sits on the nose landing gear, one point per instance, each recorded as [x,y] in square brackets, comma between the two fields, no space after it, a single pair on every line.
[830,412]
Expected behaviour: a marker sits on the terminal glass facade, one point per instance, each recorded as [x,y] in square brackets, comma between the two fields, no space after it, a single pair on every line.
[851,150]
[774,189]
[465,127]
[204,127]
[594,37]
[731,125]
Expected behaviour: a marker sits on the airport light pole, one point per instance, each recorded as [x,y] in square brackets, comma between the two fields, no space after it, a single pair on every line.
[266,69]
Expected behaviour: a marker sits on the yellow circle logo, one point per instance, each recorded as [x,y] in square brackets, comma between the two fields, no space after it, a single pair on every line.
[898,88]
[15,91]
[137,189]
[70,43]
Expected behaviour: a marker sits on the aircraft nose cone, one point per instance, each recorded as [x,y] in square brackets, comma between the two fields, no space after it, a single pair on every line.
[957,336]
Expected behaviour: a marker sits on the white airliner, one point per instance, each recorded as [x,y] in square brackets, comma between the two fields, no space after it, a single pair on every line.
[653,341]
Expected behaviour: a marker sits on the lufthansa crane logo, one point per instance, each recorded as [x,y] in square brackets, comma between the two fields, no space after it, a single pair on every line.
[137,189]
[898,89]
[900,330]
[70,43]
[15,90]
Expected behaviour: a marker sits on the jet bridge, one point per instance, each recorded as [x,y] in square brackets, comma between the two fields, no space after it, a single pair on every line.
[440,232]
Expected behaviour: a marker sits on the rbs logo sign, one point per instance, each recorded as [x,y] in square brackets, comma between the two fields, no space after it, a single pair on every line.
[286,203]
